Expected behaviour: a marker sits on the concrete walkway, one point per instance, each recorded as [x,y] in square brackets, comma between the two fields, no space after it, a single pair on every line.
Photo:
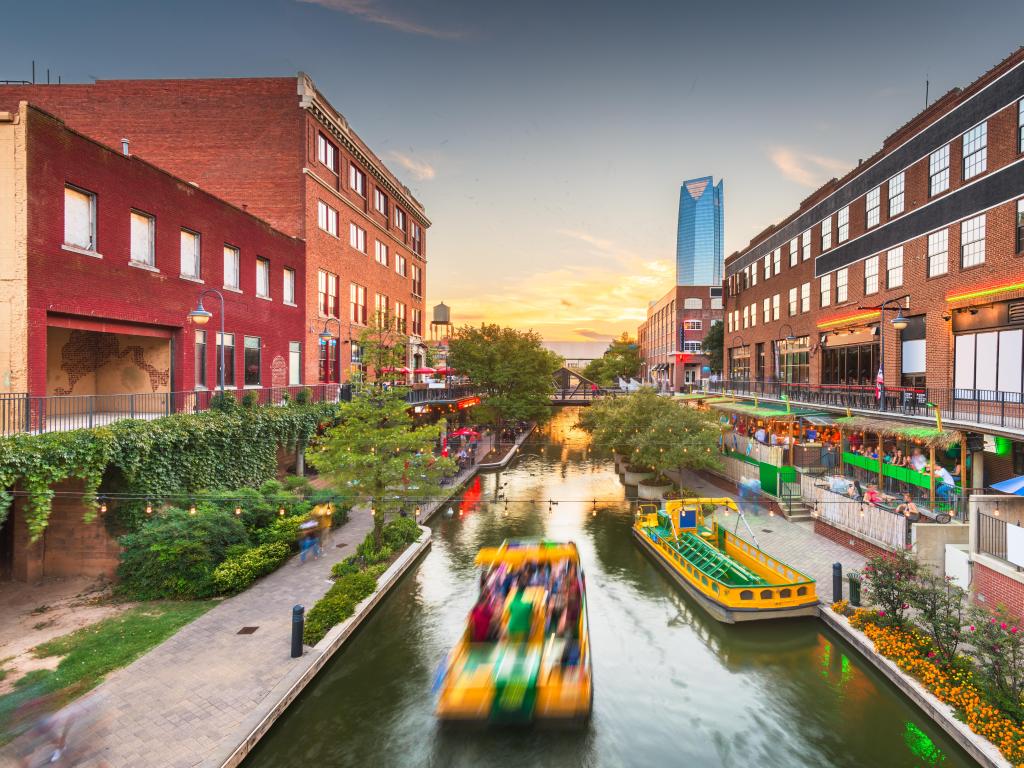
[186,702]
[795,543]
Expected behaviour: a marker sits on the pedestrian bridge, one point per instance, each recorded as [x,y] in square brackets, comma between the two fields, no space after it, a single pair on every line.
[571,388]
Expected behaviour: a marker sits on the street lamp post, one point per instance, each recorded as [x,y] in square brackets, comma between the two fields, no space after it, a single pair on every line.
[325,337]
[201,316]
[899,323]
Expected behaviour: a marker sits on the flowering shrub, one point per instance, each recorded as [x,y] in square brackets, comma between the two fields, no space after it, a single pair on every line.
[998,644]
[889,583]
[939,603]
[913,652]
[840,607]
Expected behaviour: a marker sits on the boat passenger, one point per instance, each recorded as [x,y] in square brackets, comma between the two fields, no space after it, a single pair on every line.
[761,436]
[481,619]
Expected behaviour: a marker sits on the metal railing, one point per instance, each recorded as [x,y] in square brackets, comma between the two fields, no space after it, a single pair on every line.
[978,406]
[24,413]
[991,536]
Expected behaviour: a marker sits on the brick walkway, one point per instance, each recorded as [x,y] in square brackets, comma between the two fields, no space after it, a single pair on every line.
[188,701]
[795,543]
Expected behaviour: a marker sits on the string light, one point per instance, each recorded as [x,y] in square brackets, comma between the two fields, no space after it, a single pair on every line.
[192,509]
[238,511]
[280,512]
[149,509]
[103,507]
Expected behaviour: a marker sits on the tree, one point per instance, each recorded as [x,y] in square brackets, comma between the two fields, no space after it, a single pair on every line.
[509,367]
[714,345]
[940,605]
[621,359]
[375,455]
[381,346]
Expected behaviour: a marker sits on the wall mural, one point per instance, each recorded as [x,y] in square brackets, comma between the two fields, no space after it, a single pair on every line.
[88,351]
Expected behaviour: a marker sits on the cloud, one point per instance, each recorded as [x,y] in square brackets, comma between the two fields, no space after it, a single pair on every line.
[586,333]
[375,12]
[806,169]
[421,170]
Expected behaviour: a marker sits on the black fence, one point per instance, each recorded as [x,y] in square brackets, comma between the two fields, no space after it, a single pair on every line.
[991,536]
[22,413]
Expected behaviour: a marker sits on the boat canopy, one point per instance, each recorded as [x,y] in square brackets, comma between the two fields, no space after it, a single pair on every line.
[527,554]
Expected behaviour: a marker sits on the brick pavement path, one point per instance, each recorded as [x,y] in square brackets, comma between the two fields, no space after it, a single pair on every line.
[191,700]
[795,543]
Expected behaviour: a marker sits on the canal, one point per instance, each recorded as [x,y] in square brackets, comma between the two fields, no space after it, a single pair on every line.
[672,686]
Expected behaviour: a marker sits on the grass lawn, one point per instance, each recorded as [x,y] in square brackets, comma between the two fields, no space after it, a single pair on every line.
[91,653]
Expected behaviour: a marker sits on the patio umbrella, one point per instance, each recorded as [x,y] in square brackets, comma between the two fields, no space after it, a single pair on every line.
[425,369]
[1014,485]
[445,371]
[402,369]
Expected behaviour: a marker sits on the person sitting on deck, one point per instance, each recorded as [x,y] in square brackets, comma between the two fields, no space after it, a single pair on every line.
[874,496]
[947,486]
[918,461]
[908,508]
[761,436]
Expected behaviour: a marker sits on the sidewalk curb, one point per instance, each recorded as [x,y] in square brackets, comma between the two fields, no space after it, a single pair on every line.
[979,748]
[316,658]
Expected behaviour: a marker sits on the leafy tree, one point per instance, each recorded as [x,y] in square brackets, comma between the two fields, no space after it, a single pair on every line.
[714,345]
[381,345]
[940,605]
[375,455]
[621,359]
[890,580]
[510,367]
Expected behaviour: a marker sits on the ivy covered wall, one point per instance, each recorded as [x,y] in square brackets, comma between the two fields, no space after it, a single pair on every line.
[154,460]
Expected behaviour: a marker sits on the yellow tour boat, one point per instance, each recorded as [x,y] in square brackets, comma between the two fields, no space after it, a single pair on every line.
[731,578]
[525,652]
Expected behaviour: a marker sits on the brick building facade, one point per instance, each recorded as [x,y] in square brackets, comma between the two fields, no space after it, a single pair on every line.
[104,255]
[932,225]
[278,149]
[671,338]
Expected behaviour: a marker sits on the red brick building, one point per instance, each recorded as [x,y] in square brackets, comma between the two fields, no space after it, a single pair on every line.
[671,338]
[277,148]
[104,255]
[931,225]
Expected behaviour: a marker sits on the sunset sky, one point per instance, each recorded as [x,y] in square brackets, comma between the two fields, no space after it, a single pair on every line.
[548,139]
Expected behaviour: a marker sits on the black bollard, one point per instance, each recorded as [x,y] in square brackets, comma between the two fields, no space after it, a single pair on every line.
[837,582]
[298,625]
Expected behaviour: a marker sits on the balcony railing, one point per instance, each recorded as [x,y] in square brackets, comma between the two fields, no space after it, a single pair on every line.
[972,406]
[23,413]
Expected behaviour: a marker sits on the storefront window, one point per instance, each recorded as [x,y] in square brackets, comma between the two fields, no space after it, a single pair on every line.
[794,360]
[853,365]
[739,363]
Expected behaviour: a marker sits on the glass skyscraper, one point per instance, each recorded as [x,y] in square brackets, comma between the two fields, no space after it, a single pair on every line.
[700,250]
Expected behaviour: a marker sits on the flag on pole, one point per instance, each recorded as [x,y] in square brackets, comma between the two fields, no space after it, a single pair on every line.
[879,381]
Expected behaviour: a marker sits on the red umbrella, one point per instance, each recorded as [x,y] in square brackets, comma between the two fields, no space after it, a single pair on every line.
[425,369]
[445,371]
[403,369]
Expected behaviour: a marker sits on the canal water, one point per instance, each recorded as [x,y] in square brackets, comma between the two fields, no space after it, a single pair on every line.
[672,686]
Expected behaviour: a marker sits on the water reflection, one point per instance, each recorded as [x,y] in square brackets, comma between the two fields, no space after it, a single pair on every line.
[672,686]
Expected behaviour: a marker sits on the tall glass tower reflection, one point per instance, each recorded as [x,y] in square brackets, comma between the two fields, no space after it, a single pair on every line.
[700,252]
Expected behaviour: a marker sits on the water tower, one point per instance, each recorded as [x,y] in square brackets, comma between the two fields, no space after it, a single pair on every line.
[441,325]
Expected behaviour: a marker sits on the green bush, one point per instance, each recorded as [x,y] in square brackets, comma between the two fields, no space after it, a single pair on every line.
[338,604]
[283,530]
[303,396]
[250,399]
[369,554]
[225,403]
[401,531]
[346,567]
[239,571]
[174,555]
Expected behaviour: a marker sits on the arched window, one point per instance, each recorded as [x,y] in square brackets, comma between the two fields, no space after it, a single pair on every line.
[801,591]
[766,594]
[746,594]
[785,593]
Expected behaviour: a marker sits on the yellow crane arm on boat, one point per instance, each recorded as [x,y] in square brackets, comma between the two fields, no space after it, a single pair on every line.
[519,555]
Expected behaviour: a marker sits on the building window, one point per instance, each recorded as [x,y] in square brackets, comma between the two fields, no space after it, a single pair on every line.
[400,318]
[262,277]
[226,340]
[972,242]
[252,361]
[79,218]
[294,363]
[794,360]
[746,317]
[938,171]
[231,269]
[991,362]
[288,286]
[776,312]
[753,274]
[767,307]
[326,218]
[854,365]
[357,237]
[792,302]
[200,359]
[1020,224]
[729,318]
[842,284]
[357,304]
[938,253]
[871,275]
[1020,125]
[753,315]
[825,291]
[794,253]
[896,187]
[693,325]
[357,180]
[400,264]
[826,234]
[380,202]
[190,254]
[873,206]
[767,266]
[417,322]
[843,225]
[380,310]
[327,368]
[417,239]
[327,293]
[975,144]
[805,297]
[326,152]
[894,268]
[399,218]
[694,347]
[417,281]
[777,258]
[805,244]
[143,243]
[380,252]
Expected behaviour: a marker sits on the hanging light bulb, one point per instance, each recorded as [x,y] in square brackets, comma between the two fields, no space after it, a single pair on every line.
[103,507]
[280,512]
[192,509]
[149,509]
[417,513]
[238,511]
